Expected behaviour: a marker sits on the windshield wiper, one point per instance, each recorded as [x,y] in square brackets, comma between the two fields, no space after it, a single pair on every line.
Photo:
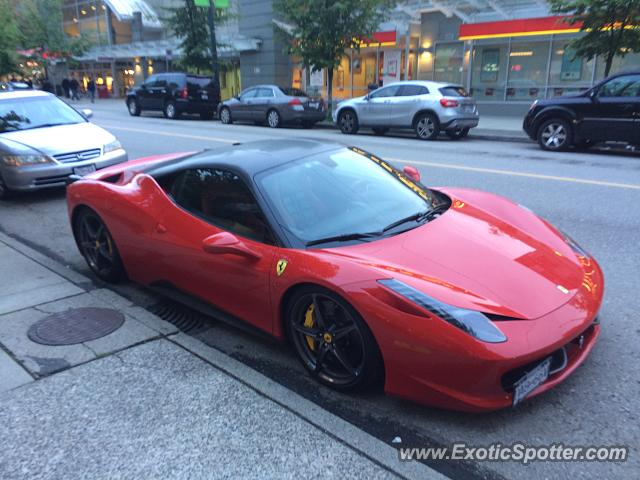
[344,238]
[418,217]
[46,125]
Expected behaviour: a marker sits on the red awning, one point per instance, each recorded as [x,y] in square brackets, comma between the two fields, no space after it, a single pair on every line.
[381,38]
[518,28]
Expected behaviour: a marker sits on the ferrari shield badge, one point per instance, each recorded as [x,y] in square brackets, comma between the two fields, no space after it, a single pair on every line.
[281,266]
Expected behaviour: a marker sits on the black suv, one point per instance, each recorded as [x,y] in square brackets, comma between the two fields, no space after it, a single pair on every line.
[174,94]
[608,112]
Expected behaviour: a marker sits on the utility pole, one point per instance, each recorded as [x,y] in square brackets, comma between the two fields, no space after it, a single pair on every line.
[214,47]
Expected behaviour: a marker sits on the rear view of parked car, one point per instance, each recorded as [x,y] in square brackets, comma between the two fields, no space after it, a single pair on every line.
[43,141]
[174,94]
[274,106]
[608,112]
[426,107]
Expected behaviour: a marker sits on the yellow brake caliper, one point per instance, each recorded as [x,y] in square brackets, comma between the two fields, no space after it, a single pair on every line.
[308,322]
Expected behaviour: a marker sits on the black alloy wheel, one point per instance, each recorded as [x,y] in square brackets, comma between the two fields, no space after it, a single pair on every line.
[332,341]
[97,246]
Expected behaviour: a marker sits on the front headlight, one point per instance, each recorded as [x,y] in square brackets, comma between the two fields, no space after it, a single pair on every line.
[112,147]
[22,160]
[472,322]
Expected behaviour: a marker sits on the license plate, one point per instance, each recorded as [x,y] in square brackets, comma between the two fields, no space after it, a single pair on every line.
[314,104]
[85,170]
[467,108]
[205,96]
[531,381]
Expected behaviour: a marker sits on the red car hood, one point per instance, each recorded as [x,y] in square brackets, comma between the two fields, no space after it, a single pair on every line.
[485,253]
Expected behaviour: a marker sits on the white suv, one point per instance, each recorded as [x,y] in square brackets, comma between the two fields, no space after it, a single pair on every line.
[426,107]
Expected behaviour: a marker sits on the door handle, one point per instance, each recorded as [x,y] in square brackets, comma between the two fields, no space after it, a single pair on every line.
[160,228]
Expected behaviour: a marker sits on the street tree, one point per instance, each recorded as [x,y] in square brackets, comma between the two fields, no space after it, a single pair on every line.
[611,27]
[323,30]
[9,38]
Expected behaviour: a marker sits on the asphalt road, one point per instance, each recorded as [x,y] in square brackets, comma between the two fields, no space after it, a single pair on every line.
[593,196]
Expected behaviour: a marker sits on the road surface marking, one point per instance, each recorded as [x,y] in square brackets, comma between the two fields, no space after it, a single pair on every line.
[167,134]
[512,173]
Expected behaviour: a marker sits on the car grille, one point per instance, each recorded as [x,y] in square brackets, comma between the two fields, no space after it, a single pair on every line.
[78,156]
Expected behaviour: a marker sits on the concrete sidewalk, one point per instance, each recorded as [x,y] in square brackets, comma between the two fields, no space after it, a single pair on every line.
[148,401]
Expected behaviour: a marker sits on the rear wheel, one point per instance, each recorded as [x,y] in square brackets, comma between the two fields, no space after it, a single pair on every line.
[380,131]
[273,119]
[348,122]
[133,107]
[170,111]
[332,341]
[555,135]
[97,246]
[225,115]
[427,126]
[457,133]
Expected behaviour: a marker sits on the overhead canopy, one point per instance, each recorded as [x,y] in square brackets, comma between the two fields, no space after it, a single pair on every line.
[124,9]
[472,11]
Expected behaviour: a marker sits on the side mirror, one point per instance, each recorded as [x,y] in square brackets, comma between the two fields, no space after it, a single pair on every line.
[593,94]
[412,173]
[225,243]
[87,112]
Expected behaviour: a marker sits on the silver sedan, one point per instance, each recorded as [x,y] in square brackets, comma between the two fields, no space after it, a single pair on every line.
[43,141]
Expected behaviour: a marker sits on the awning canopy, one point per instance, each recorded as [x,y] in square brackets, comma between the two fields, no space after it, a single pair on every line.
[518,28]
[473,11]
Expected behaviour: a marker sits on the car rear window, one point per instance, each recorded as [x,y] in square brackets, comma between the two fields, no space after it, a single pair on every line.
[293,92]
[454,91]
[199,82]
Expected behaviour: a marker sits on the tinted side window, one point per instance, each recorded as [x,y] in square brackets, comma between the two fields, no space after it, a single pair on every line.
[221,198]
[248,94]
[385,92]
[200,82]
[175,81]
[627,86]
[412,90]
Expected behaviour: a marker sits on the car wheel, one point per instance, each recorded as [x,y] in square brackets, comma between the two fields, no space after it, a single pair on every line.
[225,116]
[4,190]
[97,246]
[380,131]
[134,108]
[170,111]
[348,122]
[555,135]
[206,115]
[332,341]
[427,126]
[458,133]
[273,119]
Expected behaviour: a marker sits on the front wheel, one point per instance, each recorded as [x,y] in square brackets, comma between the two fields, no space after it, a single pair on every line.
[348,122]
[427,126]
[225,116]
[458,133]
[133,107]
[97,246]
[555,135]
[273,119]
[332,341]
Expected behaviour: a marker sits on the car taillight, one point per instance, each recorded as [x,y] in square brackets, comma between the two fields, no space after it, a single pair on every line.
[447,102]
[184,93]
[295,101]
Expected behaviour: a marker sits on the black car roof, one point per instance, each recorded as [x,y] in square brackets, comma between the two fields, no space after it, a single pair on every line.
[247,158]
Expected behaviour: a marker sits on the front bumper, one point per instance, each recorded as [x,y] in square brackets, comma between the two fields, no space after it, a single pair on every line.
[37,177]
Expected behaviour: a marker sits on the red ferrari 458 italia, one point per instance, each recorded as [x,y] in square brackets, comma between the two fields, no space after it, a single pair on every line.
[450,297]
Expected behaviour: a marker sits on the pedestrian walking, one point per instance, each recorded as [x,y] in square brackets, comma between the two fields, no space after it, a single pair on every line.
[91,89]
[74,86]
[65,87]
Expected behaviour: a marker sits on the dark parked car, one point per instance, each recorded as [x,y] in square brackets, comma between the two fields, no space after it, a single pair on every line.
[608,112]
[274,106]
[174,94]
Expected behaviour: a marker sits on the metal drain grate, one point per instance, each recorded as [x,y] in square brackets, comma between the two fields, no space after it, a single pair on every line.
[75,326]
[184,318]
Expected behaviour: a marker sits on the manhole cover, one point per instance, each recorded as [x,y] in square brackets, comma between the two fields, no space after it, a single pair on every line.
[75,326]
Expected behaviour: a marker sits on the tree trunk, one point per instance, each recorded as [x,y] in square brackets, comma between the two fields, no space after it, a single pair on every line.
[330,89]
[608,63]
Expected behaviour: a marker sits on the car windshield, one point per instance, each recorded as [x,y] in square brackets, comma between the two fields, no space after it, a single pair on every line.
[35,112]
[344,195]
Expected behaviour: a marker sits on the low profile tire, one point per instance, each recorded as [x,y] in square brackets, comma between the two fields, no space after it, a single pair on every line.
[4,190]
[380,131]
[133,107]
[273,119]
[332,340]
[206,115]
[225,116]
[555,135]
[348,122]
[170,110]
[97,246]
[458,133]
[427,126]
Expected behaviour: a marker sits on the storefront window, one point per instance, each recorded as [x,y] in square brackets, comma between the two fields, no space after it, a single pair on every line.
[527,70]
[568,75]
[448,62]
[489,76]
